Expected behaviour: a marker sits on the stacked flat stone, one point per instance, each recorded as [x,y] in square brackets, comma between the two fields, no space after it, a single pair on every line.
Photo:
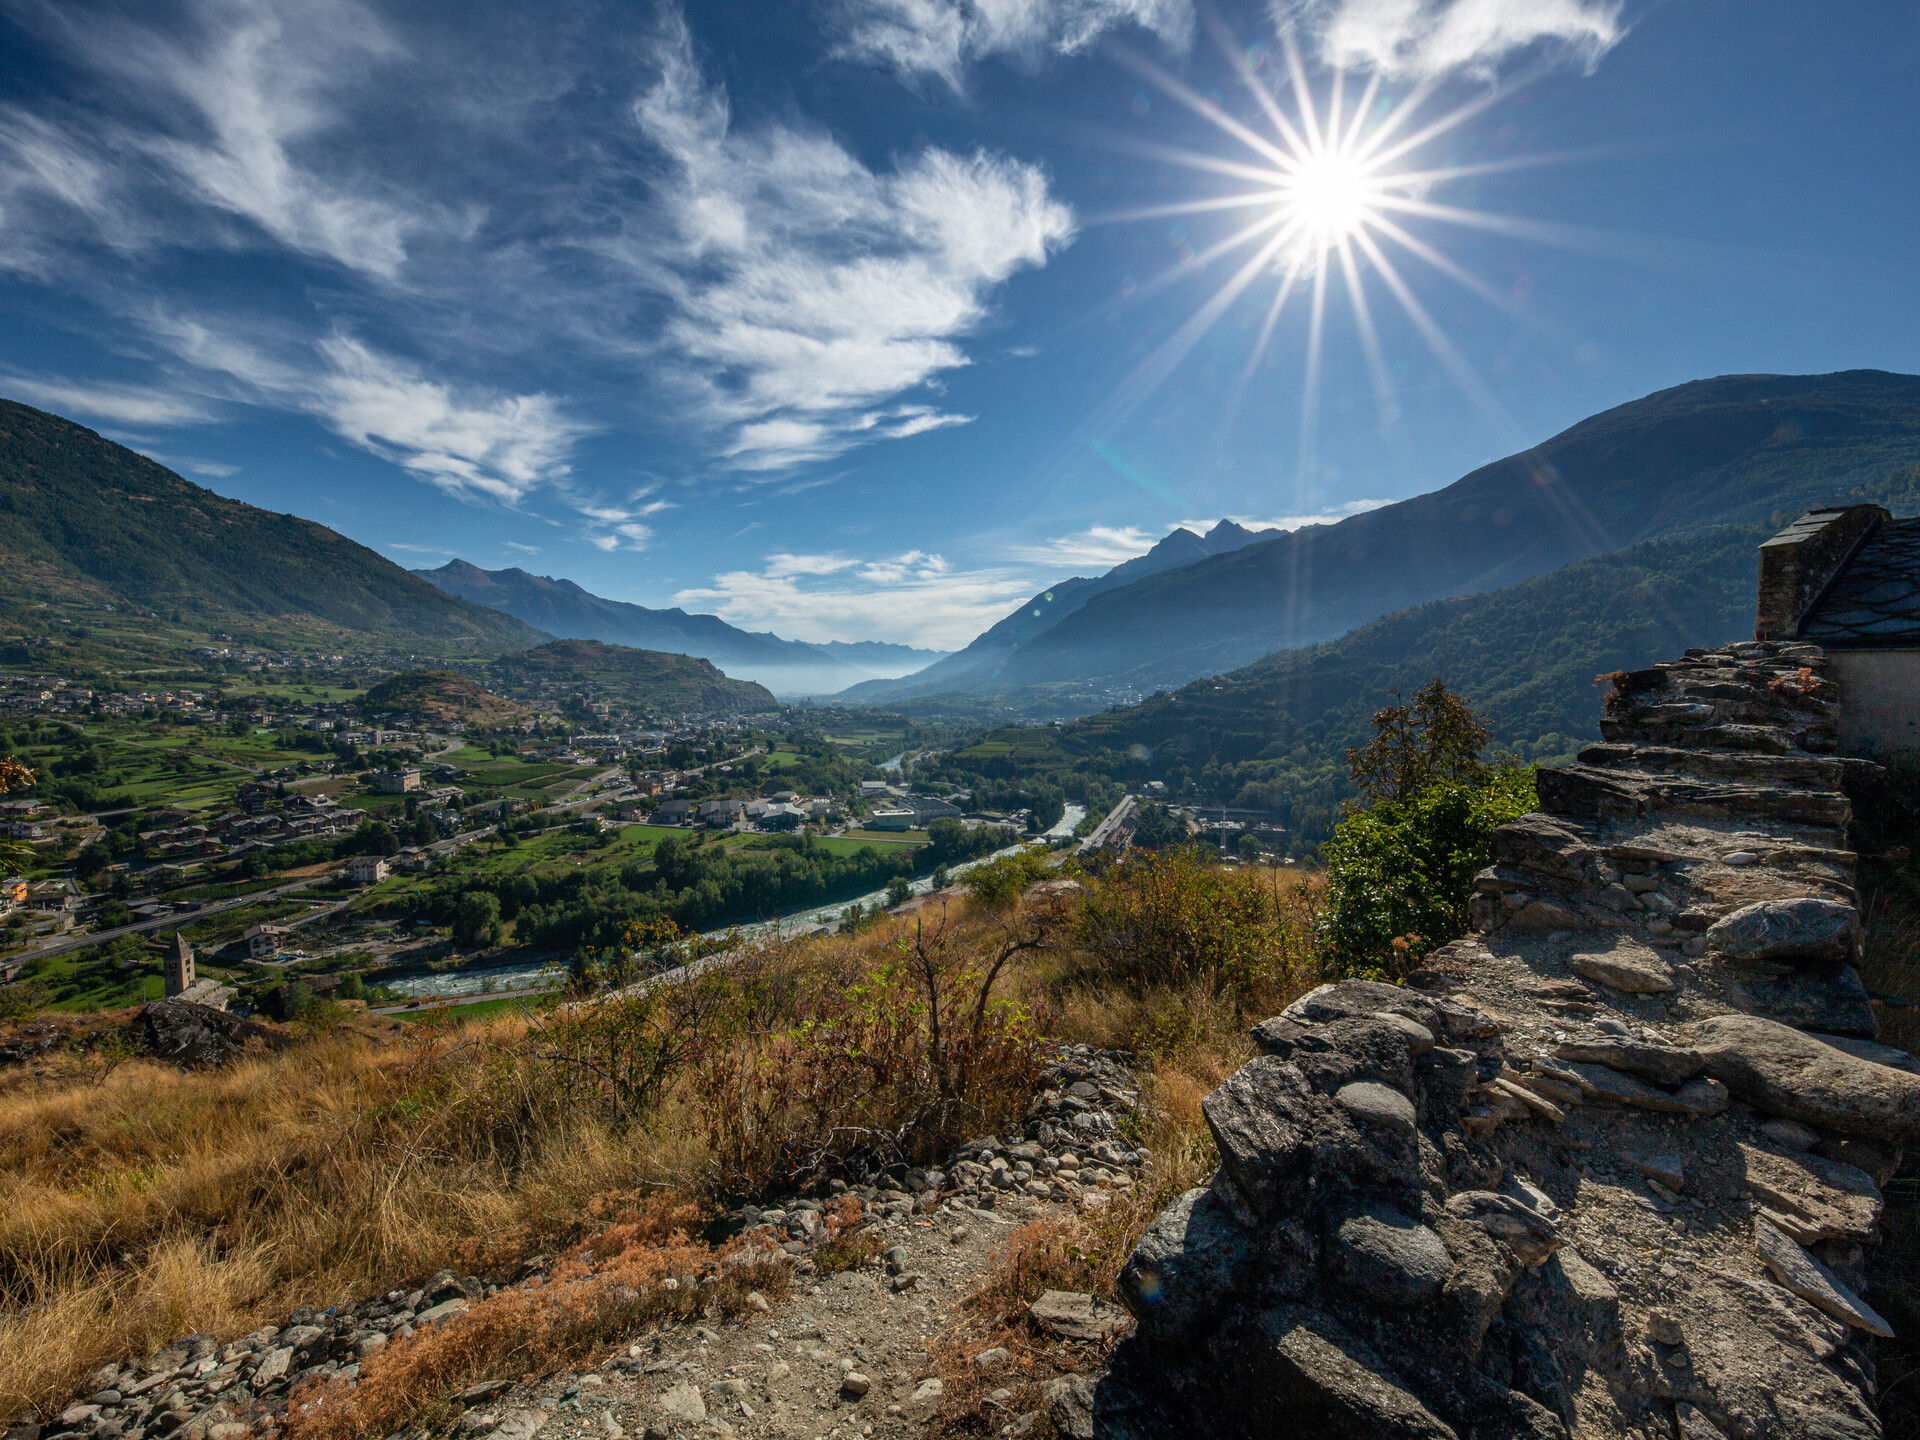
[1610,1166]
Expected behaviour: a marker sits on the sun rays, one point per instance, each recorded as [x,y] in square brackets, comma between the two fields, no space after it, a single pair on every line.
[1331,185]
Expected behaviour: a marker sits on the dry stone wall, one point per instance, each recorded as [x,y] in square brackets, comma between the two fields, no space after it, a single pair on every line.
[1608,1167]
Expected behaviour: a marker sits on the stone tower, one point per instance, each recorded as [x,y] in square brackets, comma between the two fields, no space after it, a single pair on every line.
[179,964]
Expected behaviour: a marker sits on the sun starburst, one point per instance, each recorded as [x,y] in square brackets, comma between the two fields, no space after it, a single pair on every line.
[1331,186]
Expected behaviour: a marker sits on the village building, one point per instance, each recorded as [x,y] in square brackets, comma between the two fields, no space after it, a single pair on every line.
[263,942]
[368,869]
[397,782]
[892,818]
[1847,578]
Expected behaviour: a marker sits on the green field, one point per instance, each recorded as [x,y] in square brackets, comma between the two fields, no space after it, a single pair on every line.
[478,1010]
[897,837]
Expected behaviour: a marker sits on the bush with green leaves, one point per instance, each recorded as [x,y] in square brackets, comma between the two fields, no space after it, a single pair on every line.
[1400,874]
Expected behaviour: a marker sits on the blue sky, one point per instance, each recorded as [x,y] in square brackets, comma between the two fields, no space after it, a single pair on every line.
[864,319]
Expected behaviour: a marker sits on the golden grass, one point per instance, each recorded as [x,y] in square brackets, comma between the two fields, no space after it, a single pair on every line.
[143,1204]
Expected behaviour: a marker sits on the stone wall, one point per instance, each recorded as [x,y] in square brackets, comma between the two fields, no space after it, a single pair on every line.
[1609,1167]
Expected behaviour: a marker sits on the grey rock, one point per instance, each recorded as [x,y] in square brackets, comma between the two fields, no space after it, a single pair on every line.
[1806,1277]
[1607,1084]
[1069,1401]
[1786,1073]
[1828,998]
[1704,1096]
[1891,1056]
[682,1402]
[1529,1234]
[1328,1383]
[445,1310]
[1372,1103]
[1389,1258]
[1419,1037]
[523,1424]
[1804,928]
[1352,999]
[1185,1269]
[1625,965]
[1074,1315]
[852,1384]
[1666,1064]
[1262,1119]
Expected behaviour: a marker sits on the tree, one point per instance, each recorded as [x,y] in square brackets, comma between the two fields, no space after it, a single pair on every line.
[1400,875]
[1249,847]
[476,920]
[1437,738]
[899,890]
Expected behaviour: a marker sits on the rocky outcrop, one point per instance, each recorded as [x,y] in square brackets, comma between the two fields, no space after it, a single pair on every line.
[197,1037]
[1607,1167]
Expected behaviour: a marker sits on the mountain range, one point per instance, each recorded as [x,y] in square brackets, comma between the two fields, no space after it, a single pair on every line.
[1736,449]
[978,667]
[787,667]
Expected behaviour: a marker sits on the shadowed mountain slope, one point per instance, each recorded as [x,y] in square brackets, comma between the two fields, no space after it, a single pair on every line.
[83,520]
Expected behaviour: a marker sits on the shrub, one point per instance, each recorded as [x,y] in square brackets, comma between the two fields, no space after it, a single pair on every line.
[901,1055]
[1167,917]
[1400,875]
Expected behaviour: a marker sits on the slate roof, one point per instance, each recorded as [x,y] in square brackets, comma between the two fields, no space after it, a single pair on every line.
[1875,602]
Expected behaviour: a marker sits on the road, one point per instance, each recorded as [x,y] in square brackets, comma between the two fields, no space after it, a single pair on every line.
[162,923]
[1107,826]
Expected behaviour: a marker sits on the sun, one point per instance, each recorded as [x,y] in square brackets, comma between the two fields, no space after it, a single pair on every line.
[1329,198]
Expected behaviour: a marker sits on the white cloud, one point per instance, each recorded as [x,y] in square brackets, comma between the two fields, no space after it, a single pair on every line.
[417,549]
[523,549]
[1424,38]
[469,442]
[123,404]
[1329,516]
[914,598]
[259,82]
[1100,545]
[941,38]
[213,469]
[808,291]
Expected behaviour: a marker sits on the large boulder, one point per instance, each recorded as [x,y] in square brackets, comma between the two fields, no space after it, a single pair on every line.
[1185,1270]
[1803,928]
[1784,1072]
[1325,1381]
[1386,1258]
[198,1037]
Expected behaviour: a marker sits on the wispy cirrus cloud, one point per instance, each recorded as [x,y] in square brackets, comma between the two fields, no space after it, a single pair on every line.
[473,442]
[1420,39]
[231,111]
[942,38]
[913,598]
[1099,545]
[104,400]
[810,293]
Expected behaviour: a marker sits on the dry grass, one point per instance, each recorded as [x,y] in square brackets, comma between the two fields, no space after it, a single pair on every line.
[143,1204]
[140,1204]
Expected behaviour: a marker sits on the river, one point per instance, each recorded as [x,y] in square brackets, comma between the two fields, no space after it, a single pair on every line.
[506,979]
